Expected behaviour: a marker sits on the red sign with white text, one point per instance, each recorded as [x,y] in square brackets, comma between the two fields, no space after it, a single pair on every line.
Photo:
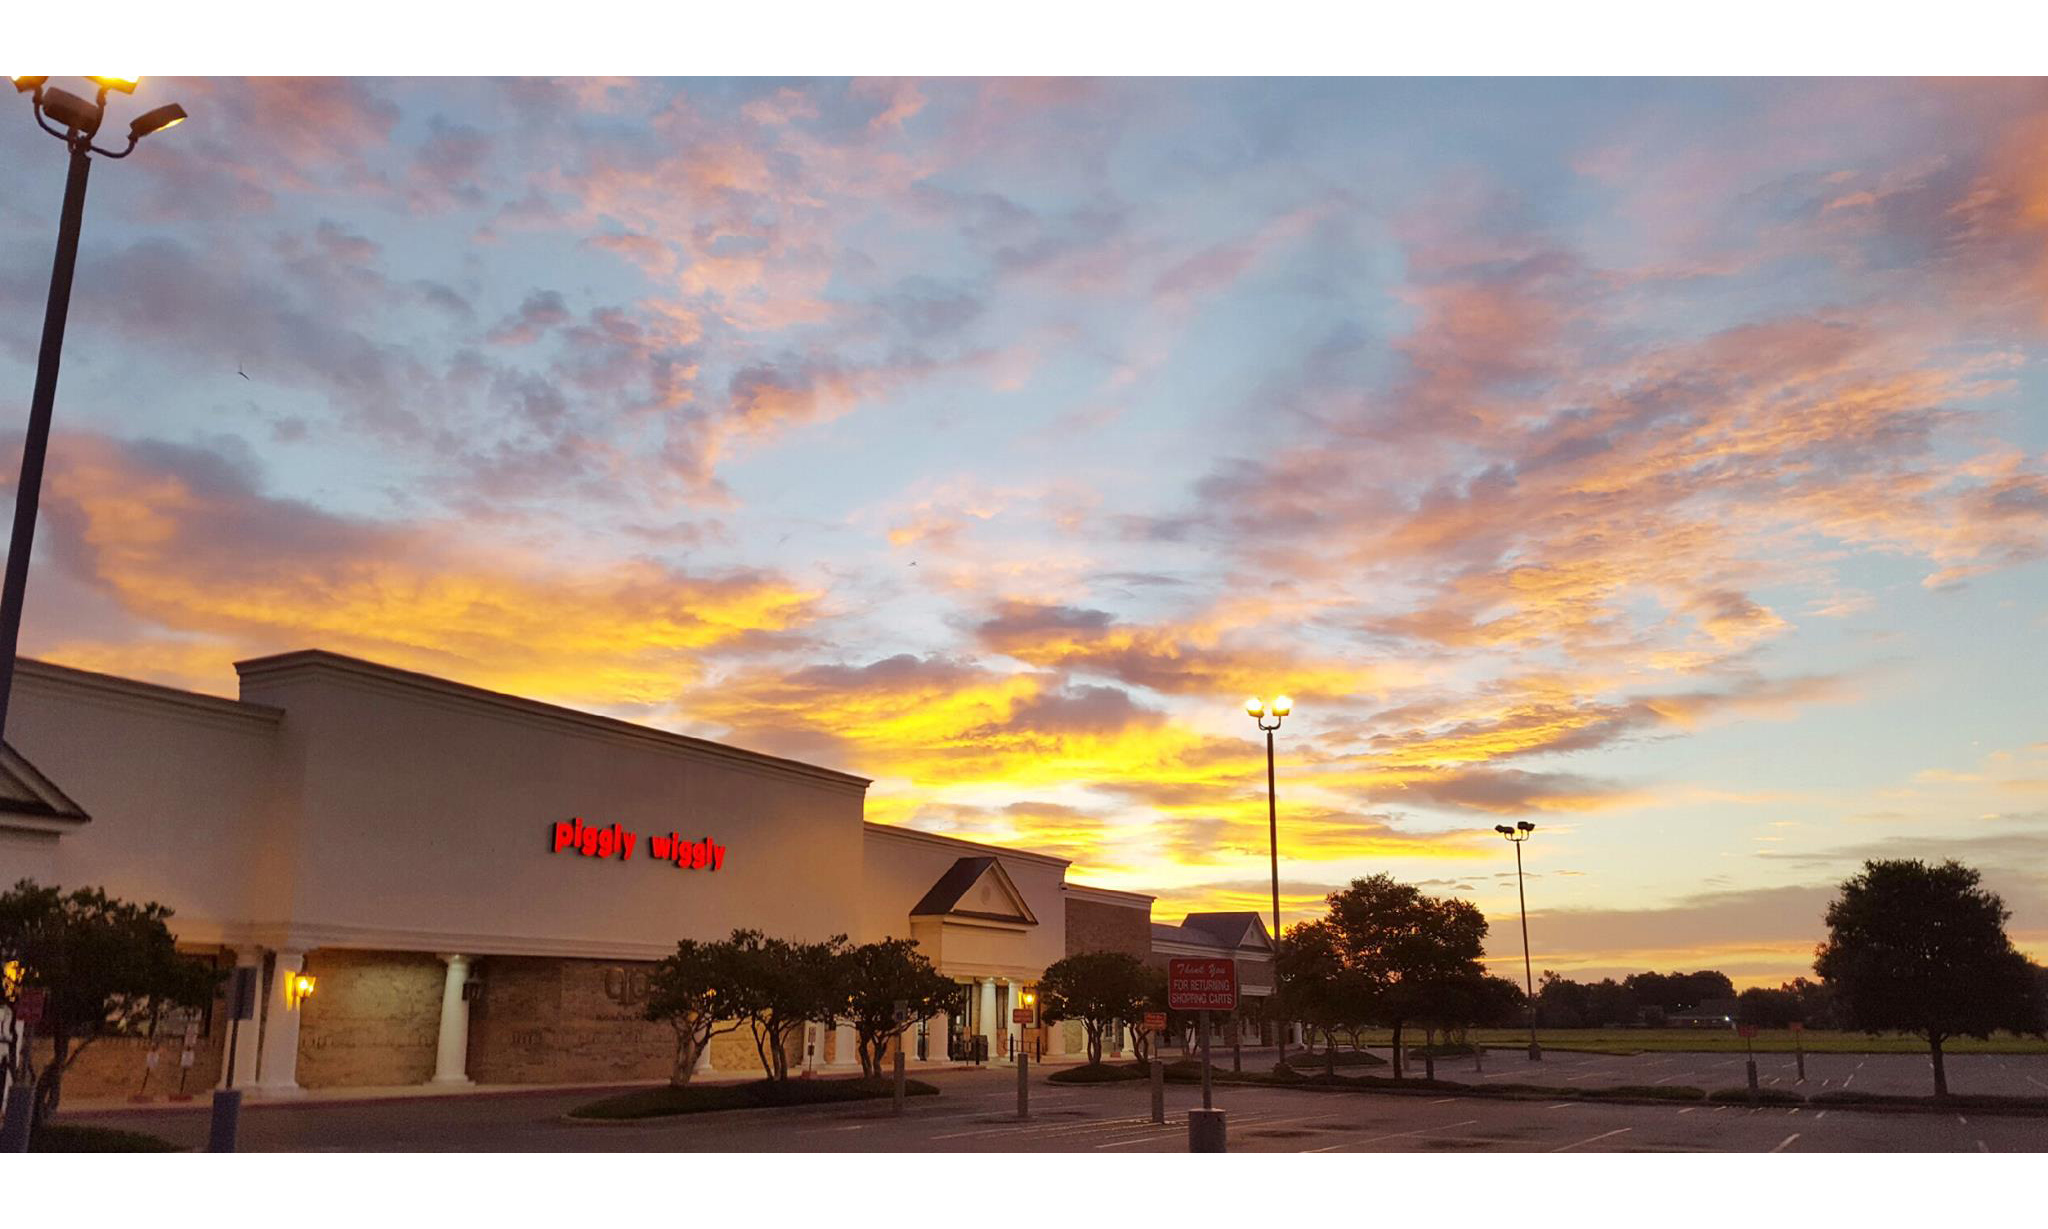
[1201,984]
[612,841]
[1155,1022]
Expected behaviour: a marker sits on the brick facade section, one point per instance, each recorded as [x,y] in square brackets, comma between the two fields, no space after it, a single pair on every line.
[113,1067]
[373,1019]
[1093,926]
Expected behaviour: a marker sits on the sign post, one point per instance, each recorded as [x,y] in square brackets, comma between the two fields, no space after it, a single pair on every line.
[1799,1047]
[1748,1032]
[1203,985]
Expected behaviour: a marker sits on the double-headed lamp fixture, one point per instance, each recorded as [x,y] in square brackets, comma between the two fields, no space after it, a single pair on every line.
[76,120]
[1262,712]
[1520,832]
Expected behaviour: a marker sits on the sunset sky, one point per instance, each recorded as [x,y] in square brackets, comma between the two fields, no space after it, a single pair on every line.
[1661,463]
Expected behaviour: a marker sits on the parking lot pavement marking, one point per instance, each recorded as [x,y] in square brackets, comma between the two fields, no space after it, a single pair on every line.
[1819,1116]
[1851,1076]
[1792,1111]
[1359,1143]
[1963,1120]
[2032,1080]
[1675,1076]
[1982,1147]
[1592,1139]
[1688,1109]
[1022,1128]
[1783,1142]
[1561,1105]
[1720,1109]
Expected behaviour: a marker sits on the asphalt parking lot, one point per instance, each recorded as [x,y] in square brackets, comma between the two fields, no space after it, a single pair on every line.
[976,1113]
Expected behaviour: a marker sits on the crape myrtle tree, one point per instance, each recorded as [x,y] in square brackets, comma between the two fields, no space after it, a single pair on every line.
[1456,1004]
[1098,989]
[695,991]
[1922,949]
[779,985]
[1320,989]
[108,968]
[881,975]
[1405,943]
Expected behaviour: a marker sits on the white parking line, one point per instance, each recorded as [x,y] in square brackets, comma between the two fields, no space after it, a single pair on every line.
[1792,1111]
[1561,1105]
[1982,1146]
[1688,1109]
[1593,1139]
[1355,1143]
[1788,1139]
[1444,1101]
[1852,1075]
[1819,1116]
[1963,1120]
[2032,1080]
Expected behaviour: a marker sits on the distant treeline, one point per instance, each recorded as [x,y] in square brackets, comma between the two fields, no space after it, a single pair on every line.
[1652,1000]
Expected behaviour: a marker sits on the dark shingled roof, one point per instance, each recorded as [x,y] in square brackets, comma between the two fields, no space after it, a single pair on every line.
[25,791]
[944,896]
[1229,929]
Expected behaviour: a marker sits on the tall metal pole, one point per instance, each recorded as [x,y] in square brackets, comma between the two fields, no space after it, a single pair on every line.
[1528,976]
[28,494]
[1273,846]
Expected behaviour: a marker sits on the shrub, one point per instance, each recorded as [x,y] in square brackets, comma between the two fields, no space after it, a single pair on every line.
[702,1098]
[1099,1073]
[71,1137]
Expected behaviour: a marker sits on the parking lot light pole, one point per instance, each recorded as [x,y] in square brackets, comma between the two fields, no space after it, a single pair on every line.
[74,121]
[1261,712]
[1517,834]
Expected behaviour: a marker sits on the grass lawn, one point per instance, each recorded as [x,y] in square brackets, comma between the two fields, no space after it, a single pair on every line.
[1768,1041]
[702,1098]
[71,1137]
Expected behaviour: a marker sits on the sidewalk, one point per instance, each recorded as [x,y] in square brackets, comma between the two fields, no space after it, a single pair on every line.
[421,1092]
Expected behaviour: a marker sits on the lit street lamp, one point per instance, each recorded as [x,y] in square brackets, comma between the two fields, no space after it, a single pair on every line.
[1519,833]
[1261,712]
[74,121]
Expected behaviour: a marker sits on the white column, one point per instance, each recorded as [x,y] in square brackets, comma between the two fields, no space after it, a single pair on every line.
[935,1037]
[245,1043]
[703,1066]
[845,1047]
[987,986]
[451,1047]
[277,1072]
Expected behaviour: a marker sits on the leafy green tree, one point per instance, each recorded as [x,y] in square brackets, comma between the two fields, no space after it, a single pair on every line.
[1923,949]
[695,992]
[108,967]
[779,986]
[1405,944]
[1767,1008]
[881,975]
[1098,989]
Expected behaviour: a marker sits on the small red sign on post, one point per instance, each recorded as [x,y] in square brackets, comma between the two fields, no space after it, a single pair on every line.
[1155,1022]
[1746,1030]
[1021,1015]
[1201,984]
[1796,1027]
[28,1006]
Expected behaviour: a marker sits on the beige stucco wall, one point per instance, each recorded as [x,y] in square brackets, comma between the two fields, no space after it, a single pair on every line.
[177,785]
[902,865]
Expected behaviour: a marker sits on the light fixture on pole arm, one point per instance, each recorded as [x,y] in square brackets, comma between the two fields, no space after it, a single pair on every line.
[1519,833]
[1263,713]
[74,121]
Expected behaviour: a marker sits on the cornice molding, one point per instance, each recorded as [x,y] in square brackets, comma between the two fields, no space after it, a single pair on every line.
[136,695]
[1110,896]
[956,845]
[461,697]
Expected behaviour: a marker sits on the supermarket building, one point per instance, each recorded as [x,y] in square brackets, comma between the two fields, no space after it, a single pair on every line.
[478,884]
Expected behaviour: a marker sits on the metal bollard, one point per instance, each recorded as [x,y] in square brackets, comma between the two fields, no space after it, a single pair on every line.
[226,1122]
[1206,1131]
[1023,1084]
[1428,1065]
[1158,1090]
[1478,1058]
[1802,1066]
[20,1116]
[1752,1081]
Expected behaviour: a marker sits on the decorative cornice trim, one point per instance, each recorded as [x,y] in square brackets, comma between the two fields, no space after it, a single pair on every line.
[461,697]
[136,694]
[954,843]
[1109,896]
